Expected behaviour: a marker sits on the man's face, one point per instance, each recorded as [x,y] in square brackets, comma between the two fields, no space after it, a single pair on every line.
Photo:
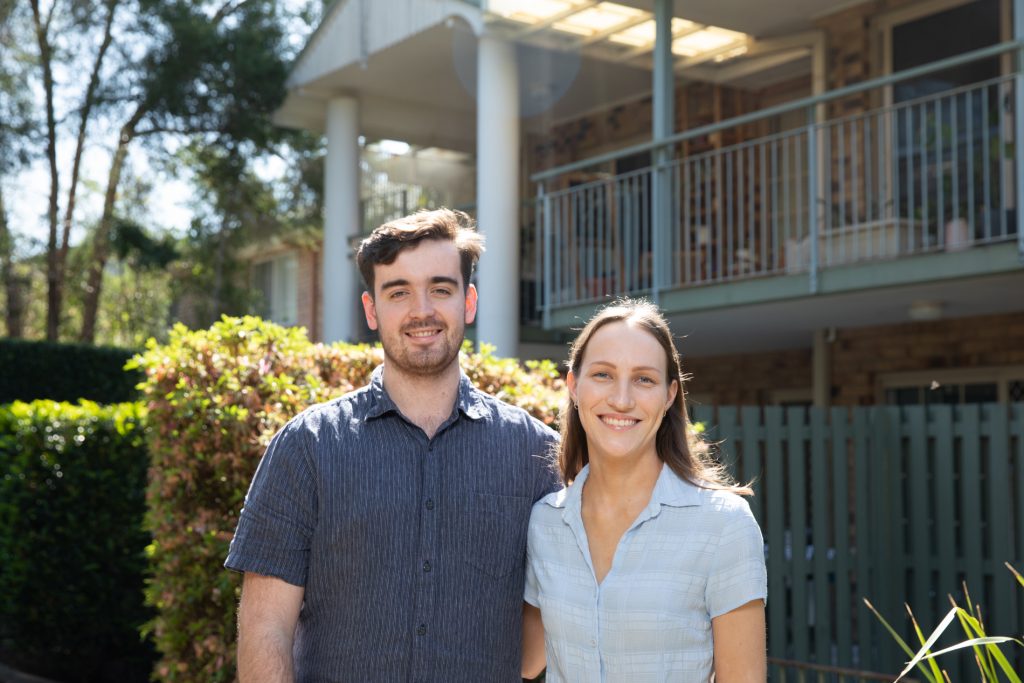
[420,308]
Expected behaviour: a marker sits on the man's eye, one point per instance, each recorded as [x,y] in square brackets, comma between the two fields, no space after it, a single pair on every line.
[397,294]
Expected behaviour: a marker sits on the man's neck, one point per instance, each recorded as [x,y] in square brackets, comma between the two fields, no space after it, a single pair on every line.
[426,400]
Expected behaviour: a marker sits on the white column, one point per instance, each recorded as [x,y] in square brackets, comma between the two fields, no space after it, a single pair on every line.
[341,284]
[497,173]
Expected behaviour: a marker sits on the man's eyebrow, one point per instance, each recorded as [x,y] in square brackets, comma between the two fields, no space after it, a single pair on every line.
[400,282]
[444,280]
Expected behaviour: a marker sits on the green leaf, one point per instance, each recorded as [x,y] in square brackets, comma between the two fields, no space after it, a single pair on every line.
[923,652]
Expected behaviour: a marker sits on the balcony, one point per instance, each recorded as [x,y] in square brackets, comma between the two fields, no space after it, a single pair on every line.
[868,177]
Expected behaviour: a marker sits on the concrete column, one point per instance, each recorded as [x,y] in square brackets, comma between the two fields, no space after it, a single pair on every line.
[341,283]
[497,186]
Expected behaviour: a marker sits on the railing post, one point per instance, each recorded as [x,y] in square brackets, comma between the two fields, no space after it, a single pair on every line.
[1018,123]
[663,115]
[812,193]
[546,245]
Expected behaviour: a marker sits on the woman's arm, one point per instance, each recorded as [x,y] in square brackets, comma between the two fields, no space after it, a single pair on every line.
[533,642]
[740,641]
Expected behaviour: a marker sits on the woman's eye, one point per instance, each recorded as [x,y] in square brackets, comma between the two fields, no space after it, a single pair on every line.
[644,379]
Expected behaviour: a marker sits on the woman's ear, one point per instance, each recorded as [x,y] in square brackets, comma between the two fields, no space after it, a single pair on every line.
[570,383]
[672,391]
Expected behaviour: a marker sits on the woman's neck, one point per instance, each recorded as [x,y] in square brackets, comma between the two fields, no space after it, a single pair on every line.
[623,481]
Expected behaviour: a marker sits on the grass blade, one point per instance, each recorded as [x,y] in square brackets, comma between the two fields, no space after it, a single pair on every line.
[973,629]
[920,636]
[946,621]
[899,641]
[1016,574]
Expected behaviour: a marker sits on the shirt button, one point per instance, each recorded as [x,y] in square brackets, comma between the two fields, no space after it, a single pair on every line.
[421,630]
[593,643]
[426,566]
[430,503]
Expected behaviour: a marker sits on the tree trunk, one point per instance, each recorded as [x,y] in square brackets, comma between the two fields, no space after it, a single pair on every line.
[14,312]
[56,297]
[53,278]
[101,240]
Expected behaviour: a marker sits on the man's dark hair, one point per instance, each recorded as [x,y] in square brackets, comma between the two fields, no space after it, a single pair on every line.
[386,242]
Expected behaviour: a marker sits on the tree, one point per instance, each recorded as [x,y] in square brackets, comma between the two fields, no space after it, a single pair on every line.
[157,71]
[16,127]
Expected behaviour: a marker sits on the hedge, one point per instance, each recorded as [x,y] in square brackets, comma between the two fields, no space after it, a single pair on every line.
[72,548]
[31,370]
[215,398]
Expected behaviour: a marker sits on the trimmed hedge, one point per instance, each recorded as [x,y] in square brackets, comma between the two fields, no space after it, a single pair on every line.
[72,548]
[31,370]
[215,398]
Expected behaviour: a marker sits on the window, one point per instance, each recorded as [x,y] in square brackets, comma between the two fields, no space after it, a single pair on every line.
[275,280]
[954,387]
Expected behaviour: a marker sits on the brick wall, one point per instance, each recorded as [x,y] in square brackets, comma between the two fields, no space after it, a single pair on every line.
[859,356]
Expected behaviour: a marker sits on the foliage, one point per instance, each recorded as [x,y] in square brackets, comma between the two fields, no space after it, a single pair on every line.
[987,656]
[32,370]
[72,482]
[215,399]
[165,73]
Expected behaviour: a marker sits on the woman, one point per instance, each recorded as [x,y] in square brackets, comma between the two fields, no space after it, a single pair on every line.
[649,567]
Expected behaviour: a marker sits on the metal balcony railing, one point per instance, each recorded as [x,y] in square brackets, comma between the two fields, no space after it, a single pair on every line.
[921,175]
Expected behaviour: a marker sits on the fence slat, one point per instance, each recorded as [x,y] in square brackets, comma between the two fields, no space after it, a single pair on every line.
[863,537]
[1003,605]
[842,504]
[821,496]
[945,498]
[968,417]
[918,528]
[797,527]
[774,487]
[753,466]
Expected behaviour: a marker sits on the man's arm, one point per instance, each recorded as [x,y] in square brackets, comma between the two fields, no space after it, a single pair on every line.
[739,644]
[267,615]
[533,642]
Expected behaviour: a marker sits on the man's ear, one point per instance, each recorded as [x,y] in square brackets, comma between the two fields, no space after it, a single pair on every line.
[370,311]
[471,299]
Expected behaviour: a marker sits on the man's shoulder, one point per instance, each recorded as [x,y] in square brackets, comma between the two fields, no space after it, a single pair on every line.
[330,413]
[507,416]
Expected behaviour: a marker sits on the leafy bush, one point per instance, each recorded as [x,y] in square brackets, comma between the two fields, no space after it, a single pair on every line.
[215,398]
[31,370]
[72,483]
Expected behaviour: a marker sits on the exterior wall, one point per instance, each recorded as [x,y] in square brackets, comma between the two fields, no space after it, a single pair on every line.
[696,104]
[310,294]
[747,379]
[860,356]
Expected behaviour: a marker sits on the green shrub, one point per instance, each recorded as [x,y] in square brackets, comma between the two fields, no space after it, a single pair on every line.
[72,548]
[215,398]
[31,370]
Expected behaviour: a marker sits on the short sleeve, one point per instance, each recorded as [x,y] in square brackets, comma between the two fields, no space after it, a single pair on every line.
[531,594]
[277,522]
[738,573]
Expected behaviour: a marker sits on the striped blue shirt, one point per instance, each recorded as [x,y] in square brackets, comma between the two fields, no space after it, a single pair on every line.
[691,555]
[411,550]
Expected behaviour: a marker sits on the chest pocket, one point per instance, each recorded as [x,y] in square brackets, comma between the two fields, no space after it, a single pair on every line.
[495,532]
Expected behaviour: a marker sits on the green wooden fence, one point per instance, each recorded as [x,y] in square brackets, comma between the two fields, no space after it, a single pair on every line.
[895,504]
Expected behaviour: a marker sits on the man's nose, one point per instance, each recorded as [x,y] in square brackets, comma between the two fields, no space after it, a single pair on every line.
[423,305]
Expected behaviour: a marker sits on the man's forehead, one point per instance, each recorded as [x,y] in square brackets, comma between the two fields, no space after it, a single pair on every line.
[428,261]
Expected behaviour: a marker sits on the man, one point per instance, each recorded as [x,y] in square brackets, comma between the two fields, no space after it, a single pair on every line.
[384,535]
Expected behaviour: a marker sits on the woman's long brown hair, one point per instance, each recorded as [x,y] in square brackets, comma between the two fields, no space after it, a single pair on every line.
[677,443]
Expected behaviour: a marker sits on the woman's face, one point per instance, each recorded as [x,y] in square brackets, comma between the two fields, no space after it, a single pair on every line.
[622,391]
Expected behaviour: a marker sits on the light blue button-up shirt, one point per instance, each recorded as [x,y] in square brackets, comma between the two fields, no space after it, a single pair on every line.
[691,555]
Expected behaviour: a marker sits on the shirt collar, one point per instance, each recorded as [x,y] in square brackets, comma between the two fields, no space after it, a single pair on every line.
[469,402]
[669,490]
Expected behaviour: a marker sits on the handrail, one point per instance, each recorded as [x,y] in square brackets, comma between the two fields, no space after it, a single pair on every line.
[841,671]
[805,103]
